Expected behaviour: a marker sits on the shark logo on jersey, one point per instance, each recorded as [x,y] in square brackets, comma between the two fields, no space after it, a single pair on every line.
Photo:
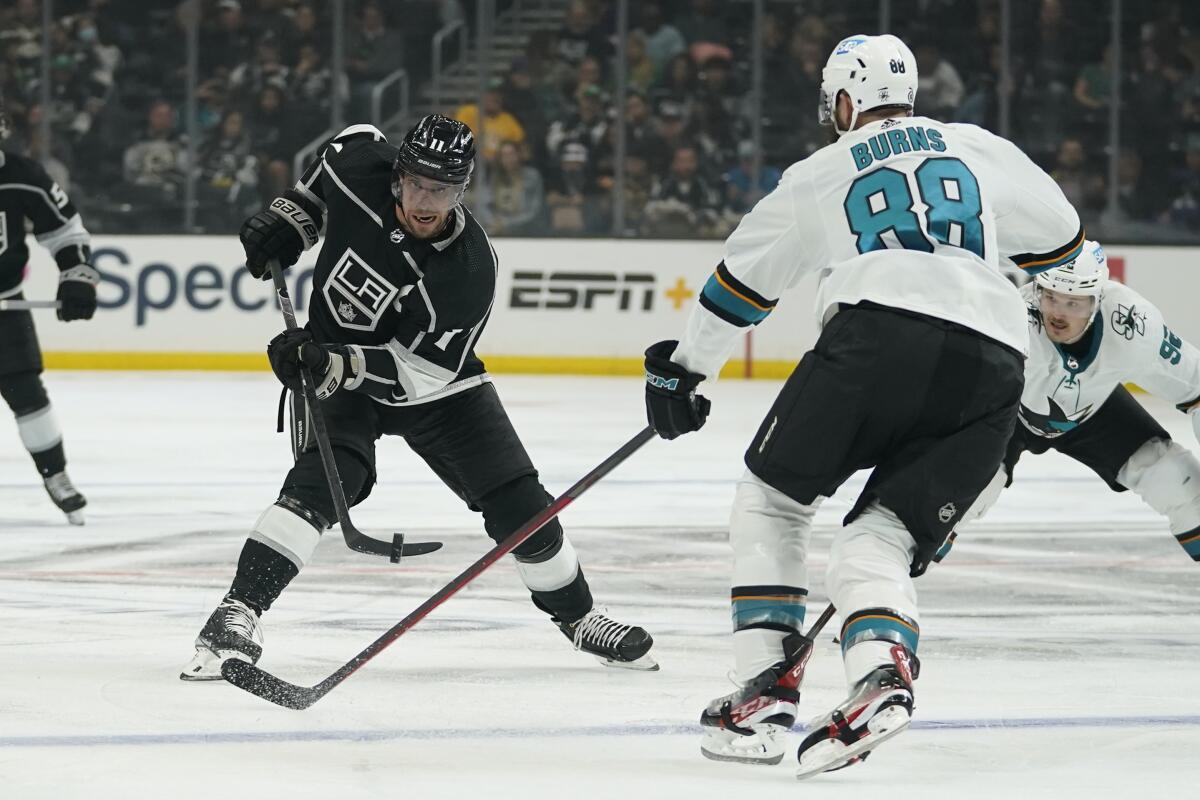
[396,236]
[357,293]
[1055,422]
[1128,322]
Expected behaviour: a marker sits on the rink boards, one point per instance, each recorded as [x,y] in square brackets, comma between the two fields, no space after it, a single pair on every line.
[562,305]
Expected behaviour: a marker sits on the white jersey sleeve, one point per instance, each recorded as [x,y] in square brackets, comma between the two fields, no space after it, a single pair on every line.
[1166,365]
[770,251]
[1036,227]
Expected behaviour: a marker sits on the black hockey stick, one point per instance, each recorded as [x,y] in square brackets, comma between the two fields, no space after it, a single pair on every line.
[355,539]
[267,686]
[25,305]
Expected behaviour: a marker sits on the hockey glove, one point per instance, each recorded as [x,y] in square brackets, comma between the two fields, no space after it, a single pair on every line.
[672,406]
[294,349]
[77,292]
[283,231]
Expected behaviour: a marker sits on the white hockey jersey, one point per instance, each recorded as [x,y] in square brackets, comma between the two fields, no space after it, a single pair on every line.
[1130,343]
[906,212]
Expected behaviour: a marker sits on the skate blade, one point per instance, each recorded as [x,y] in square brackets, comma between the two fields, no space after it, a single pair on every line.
[737,749]
[832,754]
[75,517]
[644,664]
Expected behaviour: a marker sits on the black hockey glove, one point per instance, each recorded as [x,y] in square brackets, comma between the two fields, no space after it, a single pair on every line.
[283,231]
[77,292]
[331,367]
[672,406]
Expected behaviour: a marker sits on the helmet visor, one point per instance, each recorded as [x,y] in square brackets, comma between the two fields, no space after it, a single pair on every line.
[418,193]
[1061,305]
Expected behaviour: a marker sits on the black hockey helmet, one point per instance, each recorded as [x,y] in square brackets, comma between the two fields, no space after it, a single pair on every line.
[438,148]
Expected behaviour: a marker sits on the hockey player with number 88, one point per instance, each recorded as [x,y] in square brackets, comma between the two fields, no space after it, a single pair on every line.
[917,373]
[1089,336]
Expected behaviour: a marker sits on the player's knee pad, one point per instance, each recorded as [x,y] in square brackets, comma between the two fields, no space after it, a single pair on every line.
[290,528]
[1167,476]
[546,561]
[769,533]
[24,392]
[307,484]
[37,424]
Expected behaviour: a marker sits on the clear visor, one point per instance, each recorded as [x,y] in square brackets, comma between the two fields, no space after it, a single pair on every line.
[419,194]
[1071,306]
[825,109]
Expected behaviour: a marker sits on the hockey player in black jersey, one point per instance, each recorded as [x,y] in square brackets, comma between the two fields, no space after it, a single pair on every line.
[27,193]
[403,286]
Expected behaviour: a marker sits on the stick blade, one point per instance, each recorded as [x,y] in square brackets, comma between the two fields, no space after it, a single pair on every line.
[250,678]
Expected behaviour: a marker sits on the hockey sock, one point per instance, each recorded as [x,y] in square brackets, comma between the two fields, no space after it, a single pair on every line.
[262,575]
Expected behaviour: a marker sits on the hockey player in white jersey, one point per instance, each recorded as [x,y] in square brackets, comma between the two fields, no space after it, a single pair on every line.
[1088,337]
[917,373]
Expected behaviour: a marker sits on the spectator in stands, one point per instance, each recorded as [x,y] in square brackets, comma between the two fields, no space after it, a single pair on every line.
[549,75]
[522,99]
[641,130]
[227,44]
[589,72]
[683,204]
[640,72]
[311,87]
[157,162]
[514,202]
[580,36]
[1083,187]
[306,28]
[677,86]
[663,41]
[587,125]
[277,137]
[374,51]
[714,133]
[1137,201]
[247,80]
[227,173]
[704,23]
[499,125]
[1093,88]
[940,88]
[1184,210]
[573,197]
[742,191]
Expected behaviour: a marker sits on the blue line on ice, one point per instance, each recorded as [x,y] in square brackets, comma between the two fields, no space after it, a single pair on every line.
[644,729]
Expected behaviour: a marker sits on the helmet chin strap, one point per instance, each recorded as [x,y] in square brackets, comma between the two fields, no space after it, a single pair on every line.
[853,113]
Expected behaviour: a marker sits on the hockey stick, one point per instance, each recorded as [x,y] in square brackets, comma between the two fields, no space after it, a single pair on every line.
[256,681]
[25,305]
[355,539]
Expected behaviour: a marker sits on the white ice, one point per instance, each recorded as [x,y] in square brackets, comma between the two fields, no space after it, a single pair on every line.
[1060,643]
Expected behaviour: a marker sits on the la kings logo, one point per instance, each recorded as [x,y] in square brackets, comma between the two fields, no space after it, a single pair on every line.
[357,294]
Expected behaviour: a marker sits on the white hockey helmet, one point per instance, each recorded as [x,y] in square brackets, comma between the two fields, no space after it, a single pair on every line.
[1083,277]
[875,71]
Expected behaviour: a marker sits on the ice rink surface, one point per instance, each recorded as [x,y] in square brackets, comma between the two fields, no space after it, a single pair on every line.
[1060,643]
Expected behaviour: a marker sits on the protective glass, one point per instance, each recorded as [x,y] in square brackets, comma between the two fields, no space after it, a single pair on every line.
[425,194]
[1058,304]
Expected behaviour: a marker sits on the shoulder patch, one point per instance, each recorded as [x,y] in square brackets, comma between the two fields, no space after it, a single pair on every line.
[1128,321]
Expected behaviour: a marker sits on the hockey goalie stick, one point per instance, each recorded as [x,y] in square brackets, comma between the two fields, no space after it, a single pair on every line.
[355,539]
[257,681]
[25,305]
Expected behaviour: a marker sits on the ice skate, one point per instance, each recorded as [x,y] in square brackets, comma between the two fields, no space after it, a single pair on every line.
[750,725]
[66,497]
[613,644]
[232,631]
[879,707]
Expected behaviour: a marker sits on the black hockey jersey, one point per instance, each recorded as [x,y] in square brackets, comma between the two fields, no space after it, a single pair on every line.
[410,309]
[27,193]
